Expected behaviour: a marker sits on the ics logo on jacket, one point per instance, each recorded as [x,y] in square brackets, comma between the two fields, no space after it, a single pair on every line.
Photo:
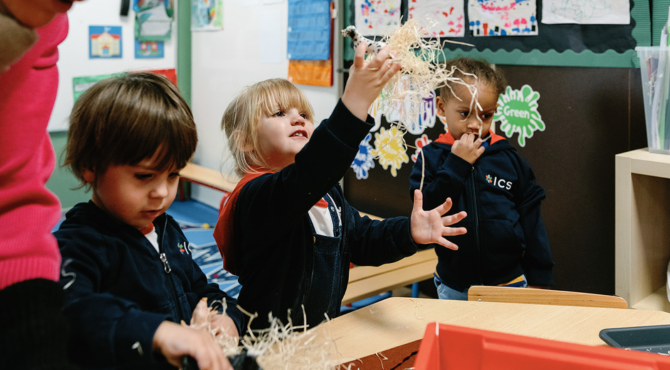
[501,183]
[184,248]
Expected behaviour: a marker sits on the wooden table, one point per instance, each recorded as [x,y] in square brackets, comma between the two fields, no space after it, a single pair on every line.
[366,281]
[208,177]
[396,321]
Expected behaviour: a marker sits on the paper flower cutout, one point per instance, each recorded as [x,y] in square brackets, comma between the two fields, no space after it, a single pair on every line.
[517,110]
[390,150]
[364,160]
[420,143]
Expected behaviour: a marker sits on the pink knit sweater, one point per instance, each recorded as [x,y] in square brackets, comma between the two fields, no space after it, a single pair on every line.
[28,211]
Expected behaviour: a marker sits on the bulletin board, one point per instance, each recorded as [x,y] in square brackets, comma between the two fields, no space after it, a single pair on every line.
[575,45]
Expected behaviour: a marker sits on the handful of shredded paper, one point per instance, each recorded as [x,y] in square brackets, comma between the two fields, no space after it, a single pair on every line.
[421,74]
[277,347]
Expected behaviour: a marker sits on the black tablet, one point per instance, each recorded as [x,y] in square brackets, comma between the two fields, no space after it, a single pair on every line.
[654,339]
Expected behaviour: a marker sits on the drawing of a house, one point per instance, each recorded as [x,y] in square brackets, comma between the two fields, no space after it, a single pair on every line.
[105,45]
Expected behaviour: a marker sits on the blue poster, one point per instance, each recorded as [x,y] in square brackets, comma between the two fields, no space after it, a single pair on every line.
[104,42]
[308,30]
[149,49]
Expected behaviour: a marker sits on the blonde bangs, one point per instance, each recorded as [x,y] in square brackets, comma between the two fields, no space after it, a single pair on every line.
[282,94]
[241,118]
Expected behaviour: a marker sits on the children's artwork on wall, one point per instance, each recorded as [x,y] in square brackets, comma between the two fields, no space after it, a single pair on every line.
[105,42]
[206,15]
[415,125]
[377,17]
[376,111]
[518,112]
[502,17]
[419,143]
[586,11]
[170,74]
[149,49]
[309,29]
[153,19]
[440,18]
[83,83]
[390,149]
[311,72]
[364,159]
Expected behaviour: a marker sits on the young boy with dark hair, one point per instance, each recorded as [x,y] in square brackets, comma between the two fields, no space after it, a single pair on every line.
[127,271]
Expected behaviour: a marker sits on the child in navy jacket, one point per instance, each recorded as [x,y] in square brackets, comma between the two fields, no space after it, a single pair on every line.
[286,230]
[506,243]
[127,272]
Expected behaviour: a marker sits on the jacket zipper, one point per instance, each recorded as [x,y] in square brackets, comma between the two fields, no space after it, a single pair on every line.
[476,224]
[167,269]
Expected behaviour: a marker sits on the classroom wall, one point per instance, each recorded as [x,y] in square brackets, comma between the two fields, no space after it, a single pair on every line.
[223,62]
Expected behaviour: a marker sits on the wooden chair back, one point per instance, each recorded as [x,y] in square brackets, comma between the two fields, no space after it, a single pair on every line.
[543,296]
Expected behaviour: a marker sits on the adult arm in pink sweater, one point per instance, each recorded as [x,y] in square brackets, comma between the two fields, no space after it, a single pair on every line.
[28,211]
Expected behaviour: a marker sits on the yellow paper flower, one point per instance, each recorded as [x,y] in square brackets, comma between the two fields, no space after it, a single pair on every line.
[390,150]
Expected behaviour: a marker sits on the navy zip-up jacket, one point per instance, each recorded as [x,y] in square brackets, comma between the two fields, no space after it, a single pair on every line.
[505,233]
[118,291]
[273,238]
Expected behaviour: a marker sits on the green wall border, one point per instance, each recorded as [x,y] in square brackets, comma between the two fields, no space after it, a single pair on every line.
[641,33]
[184,49]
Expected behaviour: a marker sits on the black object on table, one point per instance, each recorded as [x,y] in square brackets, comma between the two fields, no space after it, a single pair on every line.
[239,362]
[655,339]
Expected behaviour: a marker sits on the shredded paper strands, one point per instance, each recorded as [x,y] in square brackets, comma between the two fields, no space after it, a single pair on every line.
[403,99]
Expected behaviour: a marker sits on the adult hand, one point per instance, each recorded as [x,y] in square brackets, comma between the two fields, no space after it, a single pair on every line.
[430,227]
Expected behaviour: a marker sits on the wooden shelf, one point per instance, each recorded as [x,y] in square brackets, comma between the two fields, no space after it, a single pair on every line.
[657,301]
[642,228]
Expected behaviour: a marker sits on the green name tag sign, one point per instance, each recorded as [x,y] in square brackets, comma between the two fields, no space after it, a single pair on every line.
[517,111]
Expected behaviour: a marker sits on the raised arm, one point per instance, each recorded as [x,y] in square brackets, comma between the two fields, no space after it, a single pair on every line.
[327,156]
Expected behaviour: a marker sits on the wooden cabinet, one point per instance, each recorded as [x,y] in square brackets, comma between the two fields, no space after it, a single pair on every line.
[642,228]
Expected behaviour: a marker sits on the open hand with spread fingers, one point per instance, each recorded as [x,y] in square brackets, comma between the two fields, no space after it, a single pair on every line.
[431,227]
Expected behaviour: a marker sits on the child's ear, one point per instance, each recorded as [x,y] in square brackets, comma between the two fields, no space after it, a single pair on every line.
[242,142]
[441,106]
[89,176]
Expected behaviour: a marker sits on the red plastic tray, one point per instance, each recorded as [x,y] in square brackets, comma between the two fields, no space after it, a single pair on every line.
[448,347]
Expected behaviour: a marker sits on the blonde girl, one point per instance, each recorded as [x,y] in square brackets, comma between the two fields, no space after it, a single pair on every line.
[286,230]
